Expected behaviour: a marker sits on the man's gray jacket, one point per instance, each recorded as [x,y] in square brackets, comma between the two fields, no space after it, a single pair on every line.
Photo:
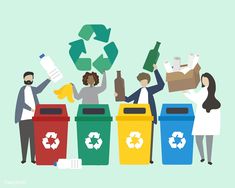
[20,104]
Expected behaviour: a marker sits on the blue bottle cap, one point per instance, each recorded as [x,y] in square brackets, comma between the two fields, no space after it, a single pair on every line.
[42,56]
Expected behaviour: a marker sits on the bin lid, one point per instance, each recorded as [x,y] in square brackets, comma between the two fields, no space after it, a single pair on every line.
[172,112]
[51,112]
[93,112]
[133,112]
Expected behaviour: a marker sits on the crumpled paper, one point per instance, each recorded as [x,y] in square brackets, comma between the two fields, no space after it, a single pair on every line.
[65,91]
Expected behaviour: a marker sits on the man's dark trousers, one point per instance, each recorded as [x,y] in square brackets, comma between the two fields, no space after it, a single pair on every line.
[26,135]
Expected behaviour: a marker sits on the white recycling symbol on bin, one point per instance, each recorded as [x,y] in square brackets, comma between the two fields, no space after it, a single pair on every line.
[130,143]
[45,141]
[173,144]
[98,143]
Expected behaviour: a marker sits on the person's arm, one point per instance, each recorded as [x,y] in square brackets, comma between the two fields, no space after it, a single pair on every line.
[192,95]
[131,97]
[42,86]
[27,107]
[20,103]
[160,83]
[76,95]
[103,84]
[21,100]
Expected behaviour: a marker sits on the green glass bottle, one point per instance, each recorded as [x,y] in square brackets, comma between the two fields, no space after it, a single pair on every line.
[152,58]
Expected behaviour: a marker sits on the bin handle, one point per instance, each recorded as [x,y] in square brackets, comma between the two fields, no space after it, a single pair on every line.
[176,110]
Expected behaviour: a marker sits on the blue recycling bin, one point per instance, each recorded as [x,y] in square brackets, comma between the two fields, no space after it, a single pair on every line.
[176,123]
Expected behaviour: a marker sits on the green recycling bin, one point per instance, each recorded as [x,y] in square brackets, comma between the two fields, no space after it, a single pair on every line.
[93,133]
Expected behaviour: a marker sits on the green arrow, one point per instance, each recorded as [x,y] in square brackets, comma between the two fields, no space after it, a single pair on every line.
[77,47]
[86,32]
[102,33]
[83,64]
[101,63]
[111,51]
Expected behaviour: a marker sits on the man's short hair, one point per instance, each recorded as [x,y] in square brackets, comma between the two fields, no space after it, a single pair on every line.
[143,76]
[28,73]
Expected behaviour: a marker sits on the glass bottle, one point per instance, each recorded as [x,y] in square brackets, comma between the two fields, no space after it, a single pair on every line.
[119,87]
[152,58]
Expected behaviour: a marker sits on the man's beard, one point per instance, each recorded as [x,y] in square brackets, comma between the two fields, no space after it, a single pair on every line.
[28,82]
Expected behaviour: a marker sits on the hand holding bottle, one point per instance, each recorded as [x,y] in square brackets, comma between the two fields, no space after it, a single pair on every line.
[154,67]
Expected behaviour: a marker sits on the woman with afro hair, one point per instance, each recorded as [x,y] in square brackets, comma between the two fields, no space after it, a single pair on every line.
[89,94]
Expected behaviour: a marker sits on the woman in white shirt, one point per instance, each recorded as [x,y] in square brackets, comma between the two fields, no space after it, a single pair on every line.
[207,116]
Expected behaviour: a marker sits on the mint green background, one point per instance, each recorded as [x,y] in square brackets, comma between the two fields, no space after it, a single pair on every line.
[31,27]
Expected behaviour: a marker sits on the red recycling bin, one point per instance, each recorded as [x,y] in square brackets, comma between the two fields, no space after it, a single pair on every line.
[50,133]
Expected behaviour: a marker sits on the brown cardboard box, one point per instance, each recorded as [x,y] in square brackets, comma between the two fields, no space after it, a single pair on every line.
[178,81]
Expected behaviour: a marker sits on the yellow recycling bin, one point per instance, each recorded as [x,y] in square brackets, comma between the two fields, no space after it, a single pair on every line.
[134,133]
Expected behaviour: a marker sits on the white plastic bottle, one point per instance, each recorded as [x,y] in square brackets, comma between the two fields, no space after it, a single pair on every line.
[176,64]
[195,60]
[190,60]
[50,67]
[168,67]
[69,164]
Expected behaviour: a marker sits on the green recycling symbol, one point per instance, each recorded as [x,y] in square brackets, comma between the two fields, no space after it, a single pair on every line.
[78,47]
